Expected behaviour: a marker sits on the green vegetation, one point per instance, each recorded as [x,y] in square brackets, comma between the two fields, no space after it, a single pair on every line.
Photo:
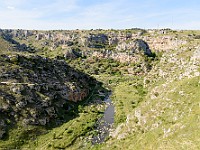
[156,97]
[97,66]
[170,121]
[127,96]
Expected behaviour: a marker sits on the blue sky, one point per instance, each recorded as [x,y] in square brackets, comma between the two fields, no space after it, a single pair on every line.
[95,14]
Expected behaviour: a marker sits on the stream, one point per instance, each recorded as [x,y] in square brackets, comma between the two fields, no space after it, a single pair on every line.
[104,124]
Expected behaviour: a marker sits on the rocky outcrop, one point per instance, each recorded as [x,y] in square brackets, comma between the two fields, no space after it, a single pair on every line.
[164,43]
[97,41]
[136,46]
[126,52]
[18,33]
[33,89]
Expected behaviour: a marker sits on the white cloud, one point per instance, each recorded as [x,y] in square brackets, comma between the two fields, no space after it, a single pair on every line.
[10,7]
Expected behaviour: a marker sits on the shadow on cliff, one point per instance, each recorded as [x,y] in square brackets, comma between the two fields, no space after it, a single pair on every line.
[42,91]
[16,46]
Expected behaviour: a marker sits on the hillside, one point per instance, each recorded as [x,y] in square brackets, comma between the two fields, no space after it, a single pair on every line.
[37,92]
[153,76]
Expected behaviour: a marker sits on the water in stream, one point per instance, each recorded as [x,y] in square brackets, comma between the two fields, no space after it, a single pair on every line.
[105,123]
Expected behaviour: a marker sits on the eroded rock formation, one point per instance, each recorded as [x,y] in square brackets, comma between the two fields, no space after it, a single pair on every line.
[33,89]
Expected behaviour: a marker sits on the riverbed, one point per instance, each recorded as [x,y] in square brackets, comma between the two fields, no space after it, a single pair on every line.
[105,123]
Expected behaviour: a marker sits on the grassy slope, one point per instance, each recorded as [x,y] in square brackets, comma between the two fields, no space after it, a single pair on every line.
[65,135]
[169,121]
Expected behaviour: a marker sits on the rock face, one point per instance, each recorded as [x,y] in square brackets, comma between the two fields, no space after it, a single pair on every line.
[126,52]
[97,41]
[136,46]
[33,89]
[119,41]
[141,46]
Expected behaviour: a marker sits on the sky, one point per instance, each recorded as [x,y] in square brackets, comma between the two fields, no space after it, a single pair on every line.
[99,14]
